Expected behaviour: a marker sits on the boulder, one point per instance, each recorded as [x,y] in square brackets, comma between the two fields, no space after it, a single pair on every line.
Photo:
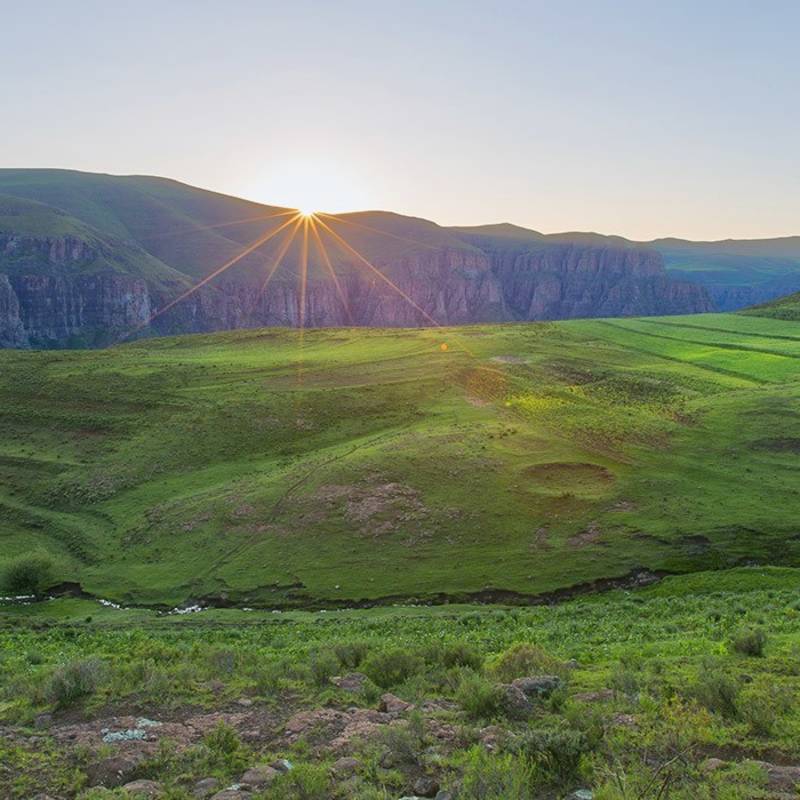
[781,778]
[205,788]
[232,794]
[113,771]
[281,765]
[259,777]
[345,767]
[426,786]
[516,704]
[538,687]
[354,682]
[144,789]
[390,704]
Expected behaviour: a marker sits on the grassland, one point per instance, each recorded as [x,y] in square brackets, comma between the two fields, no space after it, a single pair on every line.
[275,468]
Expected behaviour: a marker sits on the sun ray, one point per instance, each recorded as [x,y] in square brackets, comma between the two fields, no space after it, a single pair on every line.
[378,230]
[280,256]
[380,274]
[244,221]
[303,274]
[227,265]
[329,266]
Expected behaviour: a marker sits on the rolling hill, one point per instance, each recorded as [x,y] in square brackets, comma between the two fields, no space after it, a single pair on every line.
[145,240]
[277,468]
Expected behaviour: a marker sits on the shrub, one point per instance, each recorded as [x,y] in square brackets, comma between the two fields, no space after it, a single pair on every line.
[389,668]
[522,660]
[351,654]
[224,749]
[479,697]
[74,680]
[717,691]
[304,782]
[460,654]
[761,704]
[556,752]
[496,777]
[750,642]
[31,573]
[222,661]
[405,742]
[323,665]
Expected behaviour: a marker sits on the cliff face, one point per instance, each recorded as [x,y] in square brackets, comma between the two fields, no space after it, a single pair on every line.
[54,307]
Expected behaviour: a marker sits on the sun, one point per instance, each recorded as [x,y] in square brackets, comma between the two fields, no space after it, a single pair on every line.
[306,212]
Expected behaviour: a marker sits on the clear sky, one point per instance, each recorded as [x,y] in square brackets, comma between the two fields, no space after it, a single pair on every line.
[638,118]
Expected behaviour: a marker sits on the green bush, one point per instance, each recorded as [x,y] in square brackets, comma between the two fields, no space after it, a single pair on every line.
[31,573]
[717,691]
[389,668]
[495,777]
[73,681]
[479,697]
[750,642]
[323,665]
[351,654]
[556,752]
[304,782]
[223,750]
[522,660]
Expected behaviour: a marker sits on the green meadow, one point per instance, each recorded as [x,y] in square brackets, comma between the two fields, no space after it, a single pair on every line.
[278,468]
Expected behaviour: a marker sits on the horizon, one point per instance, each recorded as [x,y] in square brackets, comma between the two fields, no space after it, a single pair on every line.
[344,212]
[643,122]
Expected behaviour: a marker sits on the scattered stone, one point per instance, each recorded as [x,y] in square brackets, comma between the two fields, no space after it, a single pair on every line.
[493,737]
[258,777]
[624,721]
[130,735]
[780,778]
[354,682]
[515,703]
[245,702]
[538,687]
[113,771]
[148,789]
[581,794]
[205,788]
[43,721]
[391,704]
[345,767]
[232,794]
[426,786]
[143,722]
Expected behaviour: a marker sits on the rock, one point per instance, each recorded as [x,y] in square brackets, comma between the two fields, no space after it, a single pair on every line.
[515,703]
[282,765]
[148,789]
[444,795]
[538,687]
[113,771]
[602,696]
[354,682]
[780,778]
[624,721]
[259,777]
[43,721]
[245,702]
[712,765]
[426,786]
[493,737]
[345,767]
[232,794]
[387,759]
[581,794]
[391,704]
[205,788]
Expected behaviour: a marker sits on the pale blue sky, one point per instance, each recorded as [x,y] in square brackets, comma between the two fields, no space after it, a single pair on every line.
[639,118]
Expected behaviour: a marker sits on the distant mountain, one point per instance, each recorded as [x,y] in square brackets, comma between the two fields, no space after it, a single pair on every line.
[88,258]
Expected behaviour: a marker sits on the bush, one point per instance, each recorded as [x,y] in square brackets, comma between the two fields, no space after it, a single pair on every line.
[750,642]
[28,574]
[351,654]
[557,752]
[479,697]
[323,665]
[392,667]
[496,777]
[522,660]
[304,782]
[405,742]
[73,681]
[224,749]
[717,691]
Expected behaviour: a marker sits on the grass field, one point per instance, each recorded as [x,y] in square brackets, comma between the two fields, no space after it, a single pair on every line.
[278,468]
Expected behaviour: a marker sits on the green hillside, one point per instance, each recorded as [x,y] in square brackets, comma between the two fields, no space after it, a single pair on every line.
[783,308]
[277,467]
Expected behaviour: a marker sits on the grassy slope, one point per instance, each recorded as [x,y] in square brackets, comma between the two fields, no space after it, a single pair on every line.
[787,308]
[366,463]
